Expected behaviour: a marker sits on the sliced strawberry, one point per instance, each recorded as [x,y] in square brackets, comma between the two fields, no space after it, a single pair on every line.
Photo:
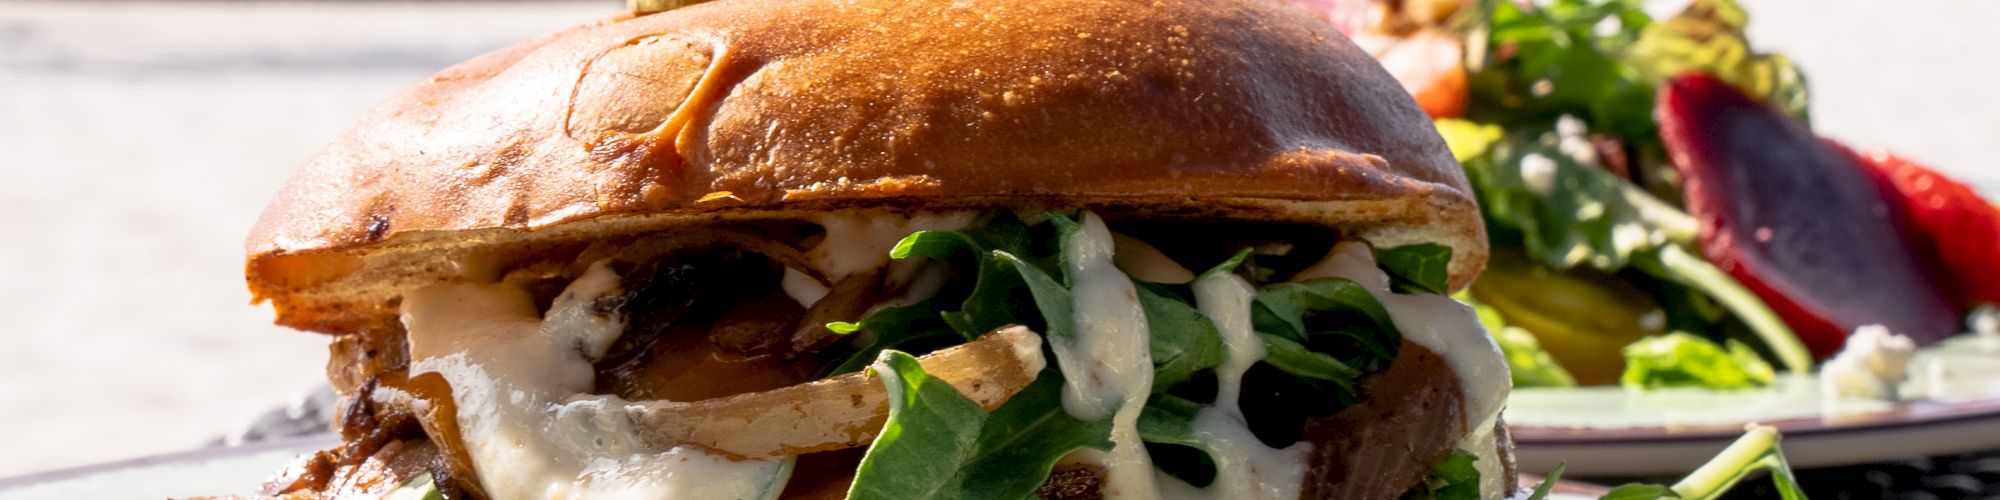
[1952,222]
[1799,220]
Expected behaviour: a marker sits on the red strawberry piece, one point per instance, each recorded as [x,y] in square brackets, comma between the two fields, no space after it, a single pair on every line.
[1952,222]
[1799,220]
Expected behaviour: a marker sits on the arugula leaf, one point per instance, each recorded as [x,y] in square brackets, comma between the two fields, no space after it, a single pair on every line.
[1681,359]
[1050,296]
[1183,340]
[893,328]
[1454,479]
[1170,419]
[1295,359]
[1421,268]
[989,304]
[422,487]
[1281,310]
[939,444]
[1548,484]
[1757,451]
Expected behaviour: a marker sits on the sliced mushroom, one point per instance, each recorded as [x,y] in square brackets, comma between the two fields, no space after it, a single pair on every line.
[839,412]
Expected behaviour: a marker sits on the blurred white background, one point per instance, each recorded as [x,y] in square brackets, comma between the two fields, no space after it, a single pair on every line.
[139,141]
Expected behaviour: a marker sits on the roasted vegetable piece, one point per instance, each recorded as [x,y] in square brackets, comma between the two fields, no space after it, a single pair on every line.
[1797,219]
[1951,221]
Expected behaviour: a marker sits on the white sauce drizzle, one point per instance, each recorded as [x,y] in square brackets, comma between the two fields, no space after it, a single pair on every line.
[1448,328]
[1245,468]
[1108,368]
[803,287]
[520,384]
[860,242]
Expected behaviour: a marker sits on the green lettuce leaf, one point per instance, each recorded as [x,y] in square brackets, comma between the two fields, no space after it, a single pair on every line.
[1757,451]
[1603,61]
[893,327]
[1170,419]
[1420,268]
[1363,327]
[1529,365]
[1708,37]
[1681,359]
[421,487]
[1314,367]
[1456,478]
[1183,340]
[1565,213]
[1553,60]
[1568,213]
[939,444]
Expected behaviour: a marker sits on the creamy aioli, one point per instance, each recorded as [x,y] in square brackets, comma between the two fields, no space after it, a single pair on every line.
[1244,467]
[1448,328]
[1105,362]
[860,242]
[521,387]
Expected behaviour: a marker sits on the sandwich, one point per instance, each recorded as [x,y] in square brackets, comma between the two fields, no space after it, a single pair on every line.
[897,249]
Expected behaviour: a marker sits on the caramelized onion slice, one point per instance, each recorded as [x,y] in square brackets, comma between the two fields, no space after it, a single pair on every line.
[839,412]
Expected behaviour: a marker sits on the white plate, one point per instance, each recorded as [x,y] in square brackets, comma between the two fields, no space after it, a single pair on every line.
[1954,408]
[236,470]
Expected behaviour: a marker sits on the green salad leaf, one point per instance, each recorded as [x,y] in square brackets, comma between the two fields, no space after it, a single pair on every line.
[1548,485]
[893,327]
[1526,361]
[988,305]
[1420,268]
[1325,333]
[1756,452]
[1567,213]
[1183,340]
[422,487]
[939,444]
[1553,60]
[1603,61]
[1456,478]
[1708,37]
[1680,359]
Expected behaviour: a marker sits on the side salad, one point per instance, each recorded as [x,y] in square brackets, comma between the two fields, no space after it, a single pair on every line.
[1651,224]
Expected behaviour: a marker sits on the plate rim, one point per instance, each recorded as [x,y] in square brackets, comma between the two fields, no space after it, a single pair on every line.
[302,444]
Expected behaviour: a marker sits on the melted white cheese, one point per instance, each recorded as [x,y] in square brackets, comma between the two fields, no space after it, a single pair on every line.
[1105,362]
[1244,467]
[803,287]
[520,384]
[860,242]
[1448,328]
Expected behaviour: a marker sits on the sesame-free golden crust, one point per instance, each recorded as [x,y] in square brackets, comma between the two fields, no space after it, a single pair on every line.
[750,109]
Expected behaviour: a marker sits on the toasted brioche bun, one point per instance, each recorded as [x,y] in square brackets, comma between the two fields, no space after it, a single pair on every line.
[743,110]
